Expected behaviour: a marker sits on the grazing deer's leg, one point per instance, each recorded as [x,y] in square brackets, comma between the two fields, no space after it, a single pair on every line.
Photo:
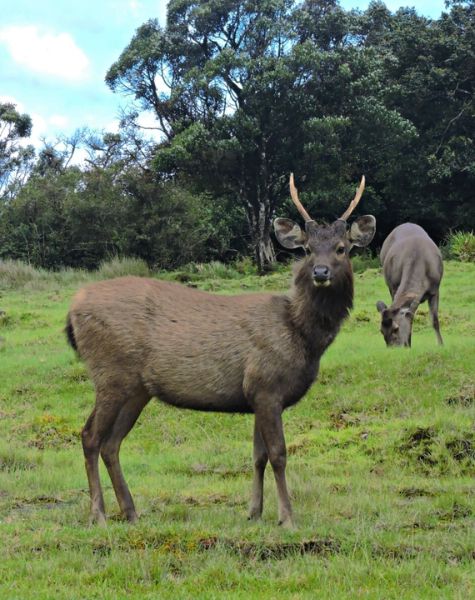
[260,462]
[269,423]
[124,422]
[91,456]
[434,313]
[92,435]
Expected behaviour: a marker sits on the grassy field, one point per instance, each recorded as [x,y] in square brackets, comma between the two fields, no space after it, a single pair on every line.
[381,468]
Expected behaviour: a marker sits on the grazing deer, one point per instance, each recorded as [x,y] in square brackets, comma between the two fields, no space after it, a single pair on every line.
[253,353]
[412,267]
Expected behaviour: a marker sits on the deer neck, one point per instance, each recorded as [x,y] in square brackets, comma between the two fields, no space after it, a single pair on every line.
[318,312]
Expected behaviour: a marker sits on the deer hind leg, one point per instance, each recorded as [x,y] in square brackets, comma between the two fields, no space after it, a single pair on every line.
[269,423]
[92,435]
[434,313]
[260,462]
[128,415]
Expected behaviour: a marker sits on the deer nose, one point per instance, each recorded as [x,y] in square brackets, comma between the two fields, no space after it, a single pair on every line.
[321,273]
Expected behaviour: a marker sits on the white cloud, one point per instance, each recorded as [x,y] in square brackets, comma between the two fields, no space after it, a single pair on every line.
[79,157]
[54,54]
[112,126]
[147,120]
[58,121]
[134,5]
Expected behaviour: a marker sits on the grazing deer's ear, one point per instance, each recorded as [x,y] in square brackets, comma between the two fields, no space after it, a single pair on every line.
[289,234]
[362,231]
[380,306]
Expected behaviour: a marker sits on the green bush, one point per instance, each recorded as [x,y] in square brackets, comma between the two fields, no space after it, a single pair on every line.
[120,266]
[461,246]
[15,274]
[364,261]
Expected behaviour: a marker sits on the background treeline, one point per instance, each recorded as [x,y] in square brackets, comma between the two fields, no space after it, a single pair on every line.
[243,92]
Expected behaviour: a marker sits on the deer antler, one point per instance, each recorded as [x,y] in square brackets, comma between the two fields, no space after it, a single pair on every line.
[295,198]
[354,202]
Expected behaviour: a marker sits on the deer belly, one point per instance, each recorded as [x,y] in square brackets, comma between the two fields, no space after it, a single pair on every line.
[197,389]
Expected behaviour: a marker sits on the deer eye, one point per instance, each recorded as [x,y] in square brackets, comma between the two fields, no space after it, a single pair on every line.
[340,250]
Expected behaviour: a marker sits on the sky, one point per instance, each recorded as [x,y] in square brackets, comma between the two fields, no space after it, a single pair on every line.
[54,55]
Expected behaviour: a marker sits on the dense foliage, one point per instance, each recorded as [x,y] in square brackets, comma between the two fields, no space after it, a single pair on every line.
[243,93]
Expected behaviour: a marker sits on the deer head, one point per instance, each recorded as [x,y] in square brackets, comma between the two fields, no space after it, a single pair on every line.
[327,245]
[396,323]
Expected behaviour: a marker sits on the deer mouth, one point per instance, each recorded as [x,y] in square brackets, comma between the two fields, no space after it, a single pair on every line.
[322,283]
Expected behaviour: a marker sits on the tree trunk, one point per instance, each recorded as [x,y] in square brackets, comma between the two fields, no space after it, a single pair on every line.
[259,206]
[259,221]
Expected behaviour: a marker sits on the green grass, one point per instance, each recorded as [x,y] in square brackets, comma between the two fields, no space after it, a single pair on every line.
[381,467]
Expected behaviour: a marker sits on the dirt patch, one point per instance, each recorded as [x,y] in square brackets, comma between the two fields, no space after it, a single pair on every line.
[48,502]
[447,452]
[275,551]
[341,420]
[51,431]
[10,463]
[462,448]
[418,444]
[299,446]
[6,320]
[182,545]
[456,511]
[414,492]
[399,552]
[464,398]
[206,500]
[202,469]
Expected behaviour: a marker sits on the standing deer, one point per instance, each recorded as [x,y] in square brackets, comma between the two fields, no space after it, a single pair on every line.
[412,267]
[254,353]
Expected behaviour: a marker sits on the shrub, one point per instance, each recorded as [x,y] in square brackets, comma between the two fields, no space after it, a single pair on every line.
[119,266]
[15,273]
[461,246]
[364,261]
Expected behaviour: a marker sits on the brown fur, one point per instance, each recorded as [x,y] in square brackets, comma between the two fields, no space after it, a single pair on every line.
[253,353]
[413,268]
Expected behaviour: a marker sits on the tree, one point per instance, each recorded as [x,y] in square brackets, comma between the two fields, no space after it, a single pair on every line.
[429,78]
[224,65]
[253,90]
[15,158]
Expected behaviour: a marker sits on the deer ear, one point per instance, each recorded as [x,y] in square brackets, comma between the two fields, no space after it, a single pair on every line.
[362,231]
[289,234]
[380,306]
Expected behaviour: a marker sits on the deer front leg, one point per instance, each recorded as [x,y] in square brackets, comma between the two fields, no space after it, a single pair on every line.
[269,424]
[260,462]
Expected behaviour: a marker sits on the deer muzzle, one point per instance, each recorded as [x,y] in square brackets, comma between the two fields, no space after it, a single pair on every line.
[322,275]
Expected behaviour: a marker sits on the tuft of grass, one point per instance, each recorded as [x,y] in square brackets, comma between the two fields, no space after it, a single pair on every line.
[15,274]
[461,246]
[120,266]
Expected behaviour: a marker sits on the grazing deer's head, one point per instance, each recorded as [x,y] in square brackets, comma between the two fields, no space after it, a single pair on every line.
[327,246]
[396,323]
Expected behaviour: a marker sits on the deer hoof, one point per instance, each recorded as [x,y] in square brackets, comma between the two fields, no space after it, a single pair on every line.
[131,517]
[287,523]
[98,519]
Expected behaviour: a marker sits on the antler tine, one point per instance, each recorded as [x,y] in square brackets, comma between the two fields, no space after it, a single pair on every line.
[354,202]
[295,198]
